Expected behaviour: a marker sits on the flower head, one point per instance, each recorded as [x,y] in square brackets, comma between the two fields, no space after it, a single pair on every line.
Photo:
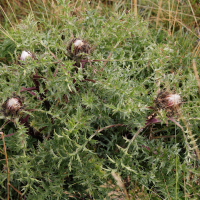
[12,106]
[78,43]
[78,49]
[173,100]
[169,102]
[25,54]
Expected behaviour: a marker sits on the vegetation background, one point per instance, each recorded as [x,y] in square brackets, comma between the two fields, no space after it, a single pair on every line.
[81,133]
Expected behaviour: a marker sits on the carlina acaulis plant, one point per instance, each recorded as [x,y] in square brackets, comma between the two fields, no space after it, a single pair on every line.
[12,106]
[170,102]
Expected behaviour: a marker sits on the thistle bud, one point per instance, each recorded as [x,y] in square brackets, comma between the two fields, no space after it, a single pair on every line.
[25,54]
[78,43]
[168,102]
[173,100]
[12,106]
[78,49]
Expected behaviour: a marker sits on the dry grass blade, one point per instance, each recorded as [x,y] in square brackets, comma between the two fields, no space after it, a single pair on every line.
[169,18]
[131,6]
[196,73]
[12,10]
[6,33]
[175,18]
[166,11]
[162,137]
[159,12]
[7,17]
[120,183]
[31,9]
[165,185]
[45,9]
[178,21]
[193,12]
[135,8]
[4,145]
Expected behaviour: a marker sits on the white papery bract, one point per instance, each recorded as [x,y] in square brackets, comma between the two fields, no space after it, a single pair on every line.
[173,100]
[78,43]
[25,54]
[13,104]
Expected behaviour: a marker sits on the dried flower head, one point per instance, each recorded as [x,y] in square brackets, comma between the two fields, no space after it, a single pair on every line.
[12,106]
[168,102]
[25,55]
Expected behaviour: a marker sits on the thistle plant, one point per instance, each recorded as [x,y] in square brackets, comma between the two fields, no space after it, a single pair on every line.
[83,132]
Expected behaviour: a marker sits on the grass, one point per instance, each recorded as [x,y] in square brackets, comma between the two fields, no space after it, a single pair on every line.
[81,133]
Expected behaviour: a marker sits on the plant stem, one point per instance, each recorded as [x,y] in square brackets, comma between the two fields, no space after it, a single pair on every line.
[176,166]
[4,145]
[136,134]
[191,136]
[4,124]
[16,190]
[28,89]
[110,126]
[165,184]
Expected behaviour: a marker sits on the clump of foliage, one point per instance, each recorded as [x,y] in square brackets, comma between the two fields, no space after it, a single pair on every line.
[81,133]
